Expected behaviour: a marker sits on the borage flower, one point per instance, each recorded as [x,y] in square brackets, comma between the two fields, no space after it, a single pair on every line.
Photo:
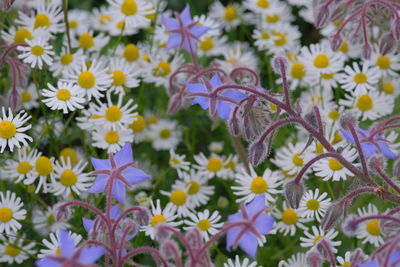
[116,172]
[252,224]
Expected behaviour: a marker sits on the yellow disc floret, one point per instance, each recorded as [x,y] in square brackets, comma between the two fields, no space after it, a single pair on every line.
[68,178]
[86,79]
[289,217]
[178,197]
[259,185]
[365,103]
[44,166]
[7,129]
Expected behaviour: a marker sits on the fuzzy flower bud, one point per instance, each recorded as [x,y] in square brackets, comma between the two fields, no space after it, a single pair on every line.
[194,237]
[366,51]
[142,217]
[350,225]
[323,248]
[162,234]
[333,215]
[387,43]
[129,225]
[376,161]
[336,41]
[257,153]
[222,202]
[62,212]
[395,28]
[293,193]
[321,16]
[175,103]
[339,12]
[169,249]
[348,117]
[233,126]
[314,258]
[311,118]
[277,63]
[396,168]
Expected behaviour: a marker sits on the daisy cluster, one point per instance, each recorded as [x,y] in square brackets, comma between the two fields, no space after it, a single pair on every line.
[311,86]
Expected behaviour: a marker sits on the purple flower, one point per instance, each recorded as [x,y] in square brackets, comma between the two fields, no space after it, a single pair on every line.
[116,172]
[394,260]
[253,223]
[184,32]
[223,107]
[370,147]
[70,256]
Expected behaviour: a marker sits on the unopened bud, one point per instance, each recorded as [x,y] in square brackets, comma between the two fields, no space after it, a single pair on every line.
[396,168]
[387,44]
[324,248]
[366,51]
[7,4]
[175,103]
[162,233]
[278,63]
[294,192]
[350,225]
[257,153]
[222,202]
[336,41]
[142,217]
[395,28]
[314,258]
[194,237]
[311,118]
[333,216]
[14,99]
[376,161]
[233,126]
[321,16]
[348,117]
[62,212]
[339,12]
[130,226]
[358,256]
[169,249]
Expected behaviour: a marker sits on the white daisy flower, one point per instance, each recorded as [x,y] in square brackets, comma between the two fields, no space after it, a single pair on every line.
[251,185]
[66,97]
[311,239]
[91,81]
[211,45]
[178,162]
[237,55]
[20,34]
[138,128]
[165,134]
[208,224]
[297,74]
[37,53]
[167,215]
[229,16]
[289,221]
[359,81]
[18,170]
[291,158]
[296,260]
[73,154]
[77,21]
[11,130]
[65,62]
[211,166]
[10,212]
[159,68]
[68,178]
[113,116]
[13,249]
[258,6]
[47,15]
[53,244]
[369,106]
[124,75]
[237,263]
[133,12]
[277,12]
[43,168]
[231,166]
[314,205]
[101,19]
[331,168]
[44,220]
[29,97]
[180,199]
[370,231]
[111,140]
[88,42]
[386,65]
[196,187]
[344,261]
[130,53]
[390,86]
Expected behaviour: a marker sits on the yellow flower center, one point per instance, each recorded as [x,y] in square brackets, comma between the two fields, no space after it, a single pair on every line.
[272,19]
[230,13]
[281,40]
[7,129]
[5,214]
[12,251]
[86,79]
[69,153]
[373,227]
[337,138]
[175,161]
[334,165]
[194,187]
[37,50]
[86,41]
[112,137]
[73,24]
[346,264]
[289,217]
[63,95]
[152,120]
[113,113]
[151,16]
[365,103]
[207,44]
[204,224]
[334,115]
[129,7]
[25,96]
[319,149]
[119,78]
[44,166]
[344,48]
[388,88]
[327,76]
[20,36]
[157,219]
[66,59]
[265,36]
[131,52]
[312,204]
[317,238]
[42,20]
[58,251]
[178,197]
[24,167]
[383,62]
[263,3]
[163,69]
[68,178]
[138,125]
[321,61]
[259,185]
[214,164]
[121,25]
[104,19]
[230,165]
[298,70]
[165,133]
[297,160]
[360,78]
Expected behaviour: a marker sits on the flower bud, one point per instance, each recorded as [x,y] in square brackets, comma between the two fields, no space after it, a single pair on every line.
[395,28]
[222,202]
[175,103]
[129,225]
[278,63]
[142,217]
[293,193]
[233,126]
[333,216]
[169,249]
[336,41]
[194,237]
[62,212]
[350,225]
[162,234]
[339,12]
[348,117]
[321,16]
[314,258]
[376,161]
[257,153]
[396,168]
[387,44]
[311,118]
[7,4]
[358,256]
[366,51]
[324,248]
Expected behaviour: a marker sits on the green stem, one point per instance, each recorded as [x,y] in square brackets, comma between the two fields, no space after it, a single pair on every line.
[65,10]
